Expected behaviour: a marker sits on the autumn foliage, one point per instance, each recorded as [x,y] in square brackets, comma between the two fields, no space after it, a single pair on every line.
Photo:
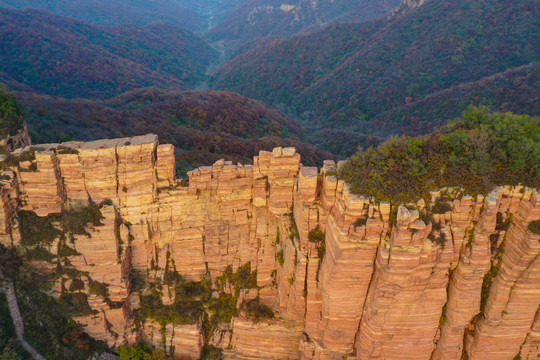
[477,153]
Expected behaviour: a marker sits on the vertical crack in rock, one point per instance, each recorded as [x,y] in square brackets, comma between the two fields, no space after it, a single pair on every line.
[514,294]
[466,283]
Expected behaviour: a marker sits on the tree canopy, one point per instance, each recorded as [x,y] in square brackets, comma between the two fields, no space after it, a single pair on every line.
[11,118]
[476,153]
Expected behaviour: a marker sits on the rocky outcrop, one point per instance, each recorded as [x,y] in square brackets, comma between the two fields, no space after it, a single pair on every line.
[513,296]
[264,340]
[531,348]
[406,6]
[407,294]
[344,275]
[465,286]
[20,140]
[183,341]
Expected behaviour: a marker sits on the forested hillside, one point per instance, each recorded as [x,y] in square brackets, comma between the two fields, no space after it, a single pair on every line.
[476,153]
[278,19]
[372,77]
[60,56]
[117,12]
[11,114]
[194,15]
[204,126]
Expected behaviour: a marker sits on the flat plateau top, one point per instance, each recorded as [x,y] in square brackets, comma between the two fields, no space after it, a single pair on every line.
[101,144]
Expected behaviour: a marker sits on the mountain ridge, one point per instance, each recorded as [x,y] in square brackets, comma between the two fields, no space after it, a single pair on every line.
[277,19]
[345,75]
[66,57]
[202,125]
[116,12]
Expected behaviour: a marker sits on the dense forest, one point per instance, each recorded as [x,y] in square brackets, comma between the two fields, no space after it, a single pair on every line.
[11,114]
[60,56]
[476,153]
[204,125]
[348,75]
[347,85]
[116,12]
[274,19]
[193,15]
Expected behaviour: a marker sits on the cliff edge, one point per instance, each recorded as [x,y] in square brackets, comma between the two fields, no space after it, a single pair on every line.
[275,260]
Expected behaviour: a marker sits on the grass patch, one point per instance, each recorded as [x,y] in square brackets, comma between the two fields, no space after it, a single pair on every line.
[280,258]
[210,352]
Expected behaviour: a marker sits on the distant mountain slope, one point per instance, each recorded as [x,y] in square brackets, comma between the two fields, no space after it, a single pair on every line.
[346,76]
[516,90]
[280,19]
[406,6]
[204,126]
[118,12]
[64,57]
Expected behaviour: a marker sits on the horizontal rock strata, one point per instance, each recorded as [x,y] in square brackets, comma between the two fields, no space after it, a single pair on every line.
[345,276]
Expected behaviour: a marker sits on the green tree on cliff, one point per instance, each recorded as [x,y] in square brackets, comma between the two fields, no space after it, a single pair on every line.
[141,352]
[478,152]
[10,262]
[11,119]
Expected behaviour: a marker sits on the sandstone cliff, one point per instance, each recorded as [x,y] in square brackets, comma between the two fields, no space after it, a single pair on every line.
[279,261]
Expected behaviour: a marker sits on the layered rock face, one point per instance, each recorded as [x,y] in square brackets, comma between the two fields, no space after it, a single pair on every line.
[345,276]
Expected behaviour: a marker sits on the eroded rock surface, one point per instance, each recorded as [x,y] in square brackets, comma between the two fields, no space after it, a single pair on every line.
[345,276]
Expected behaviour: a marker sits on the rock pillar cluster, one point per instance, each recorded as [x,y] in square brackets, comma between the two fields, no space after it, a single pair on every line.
[342,275]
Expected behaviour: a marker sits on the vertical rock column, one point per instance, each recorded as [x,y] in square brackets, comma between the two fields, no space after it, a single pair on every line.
[408,290]
[72,172]
[514,295]
[137,175]
[465,285]
[107,261]
[176,229]
[273,186]
[99,165]
[346,271]
[328,190]
[291,275]
[266,236]
[102,255]
[283,168]
[42,187]
[136,193]
[294,243]
[306,210]
[165,165]
[8,209]
[311,344]
[234,194]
